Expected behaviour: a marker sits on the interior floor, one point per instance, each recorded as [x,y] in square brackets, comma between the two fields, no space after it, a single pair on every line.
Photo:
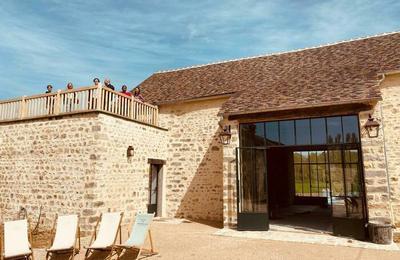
[309,218]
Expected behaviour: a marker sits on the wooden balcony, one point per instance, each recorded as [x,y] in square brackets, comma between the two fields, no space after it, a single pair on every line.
[78,101]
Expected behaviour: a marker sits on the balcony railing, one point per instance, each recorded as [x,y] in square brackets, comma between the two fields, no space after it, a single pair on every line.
[76,101]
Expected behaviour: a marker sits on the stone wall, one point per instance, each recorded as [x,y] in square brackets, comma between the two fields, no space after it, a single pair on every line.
[76,164]
[121,183]
[194,160]
[46,163]
[391,127]
[229,175]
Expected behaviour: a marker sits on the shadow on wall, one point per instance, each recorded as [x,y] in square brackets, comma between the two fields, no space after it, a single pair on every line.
[203,199]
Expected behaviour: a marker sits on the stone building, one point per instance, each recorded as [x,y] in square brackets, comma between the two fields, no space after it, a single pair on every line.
[310,136]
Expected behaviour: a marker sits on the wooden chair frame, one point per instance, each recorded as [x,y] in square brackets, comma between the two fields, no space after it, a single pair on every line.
[151,251]
[75,250]
[2,245]
[111,248]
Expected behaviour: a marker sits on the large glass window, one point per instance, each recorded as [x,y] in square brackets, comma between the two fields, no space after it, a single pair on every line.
[310,131]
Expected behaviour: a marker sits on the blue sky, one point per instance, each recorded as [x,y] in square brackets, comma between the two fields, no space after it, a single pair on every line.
[59,41]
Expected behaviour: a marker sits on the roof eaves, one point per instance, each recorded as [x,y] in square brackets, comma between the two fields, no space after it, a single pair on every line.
[255,111]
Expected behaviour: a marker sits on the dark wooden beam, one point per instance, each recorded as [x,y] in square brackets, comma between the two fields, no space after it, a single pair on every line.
[345,109]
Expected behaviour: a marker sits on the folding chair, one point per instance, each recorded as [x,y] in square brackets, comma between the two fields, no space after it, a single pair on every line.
[109,226]
[67,234]
[140,231]
[16,238]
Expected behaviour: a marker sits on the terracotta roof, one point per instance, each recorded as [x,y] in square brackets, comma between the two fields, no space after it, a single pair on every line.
[345,72]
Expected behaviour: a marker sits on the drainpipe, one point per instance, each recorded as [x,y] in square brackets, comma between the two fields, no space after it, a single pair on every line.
[386,161]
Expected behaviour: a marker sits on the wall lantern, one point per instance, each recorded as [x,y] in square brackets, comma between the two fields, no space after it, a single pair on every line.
[372,127]
[130,152]
[225,135]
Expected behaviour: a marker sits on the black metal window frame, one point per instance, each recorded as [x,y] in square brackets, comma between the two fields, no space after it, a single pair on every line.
[343,137]
[310,164]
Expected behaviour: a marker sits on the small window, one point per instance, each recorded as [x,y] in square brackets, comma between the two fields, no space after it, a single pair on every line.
[334,125]
[272,133]
[350,129]
[318,131]
[286,132]
[252,135]
[303,134]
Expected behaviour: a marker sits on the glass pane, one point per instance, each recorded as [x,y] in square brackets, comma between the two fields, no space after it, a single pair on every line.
[354,207]
[313,156]
[260,201]
[304,157]
[272,133]
[314,180]
[246,180]
[321,155]
[350,129]
[298,180]
[286,131]
[338,207]
[154,171]
[336,172]
[318,131]
[252,135]
[153,197]
[303,135]
[335,156]
[352,180]
[334,130]
[252,180]
[297,157]
[306,180]
[351,156]
[323,181]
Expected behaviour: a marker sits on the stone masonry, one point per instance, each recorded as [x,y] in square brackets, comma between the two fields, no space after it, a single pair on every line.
[76,164]
[194,160]
[391,126]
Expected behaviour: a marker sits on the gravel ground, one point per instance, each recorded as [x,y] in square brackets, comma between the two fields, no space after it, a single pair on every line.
[177,240]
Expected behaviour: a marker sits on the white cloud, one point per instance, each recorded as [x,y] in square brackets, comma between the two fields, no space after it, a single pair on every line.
[59,41]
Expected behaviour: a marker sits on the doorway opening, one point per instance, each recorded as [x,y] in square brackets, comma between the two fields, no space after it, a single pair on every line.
[155,201]
[302,174]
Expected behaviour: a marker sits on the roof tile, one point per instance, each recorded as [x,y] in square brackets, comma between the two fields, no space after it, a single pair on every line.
[339,73]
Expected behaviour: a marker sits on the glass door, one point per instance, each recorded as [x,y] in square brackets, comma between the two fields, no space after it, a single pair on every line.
[152,206]
[252,201]
[348,201]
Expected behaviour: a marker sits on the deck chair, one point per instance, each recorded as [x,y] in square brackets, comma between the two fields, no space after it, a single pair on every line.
[67,234]
[105,239]
[140,231]
[16,240]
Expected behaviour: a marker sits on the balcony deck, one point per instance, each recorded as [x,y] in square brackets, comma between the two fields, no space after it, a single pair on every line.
[75,101]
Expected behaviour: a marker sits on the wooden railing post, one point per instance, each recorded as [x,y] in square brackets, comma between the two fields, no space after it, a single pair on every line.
[57,103]
[22,112]
[156,116]
[132,107]
[100,98]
